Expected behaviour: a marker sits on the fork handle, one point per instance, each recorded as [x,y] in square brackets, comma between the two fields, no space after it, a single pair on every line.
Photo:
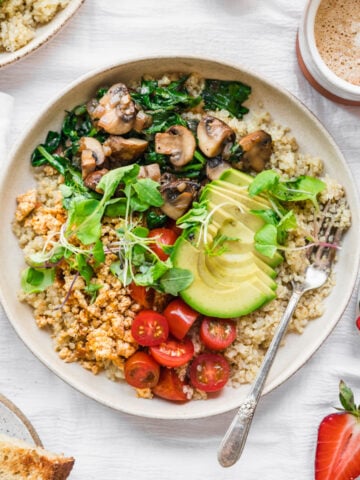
[234,439]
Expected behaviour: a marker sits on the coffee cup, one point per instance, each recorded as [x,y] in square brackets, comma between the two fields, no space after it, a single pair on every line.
[334,77]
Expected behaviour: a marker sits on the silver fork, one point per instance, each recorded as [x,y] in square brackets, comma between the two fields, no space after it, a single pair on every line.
[316,274]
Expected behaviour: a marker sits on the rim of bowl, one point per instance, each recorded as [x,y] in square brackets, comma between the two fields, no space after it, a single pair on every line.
[10,58]
[282,90]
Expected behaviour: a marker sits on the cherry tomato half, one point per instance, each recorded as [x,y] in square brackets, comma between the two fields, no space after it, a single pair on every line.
[180,317]
[217,333]
[209,372]
[144,296]
[169,386]
[149,328]
[141,371]
[173,353]
[164,237]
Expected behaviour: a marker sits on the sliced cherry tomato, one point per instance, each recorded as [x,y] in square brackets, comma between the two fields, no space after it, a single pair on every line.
[144,296]
[180,317]
[164,237]
[149,328]
[209,372]
[173,353]
[217,333]
[141,370]
[170,386]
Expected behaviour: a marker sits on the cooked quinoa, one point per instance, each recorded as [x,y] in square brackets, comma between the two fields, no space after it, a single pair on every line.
[98,334]
[19,20]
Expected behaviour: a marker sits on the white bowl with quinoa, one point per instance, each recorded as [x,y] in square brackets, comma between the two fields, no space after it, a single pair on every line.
[25,26]
[301,146]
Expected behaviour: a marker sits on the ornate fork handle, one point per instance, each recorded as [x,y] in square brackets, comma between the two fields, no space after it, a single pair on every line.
[234,440]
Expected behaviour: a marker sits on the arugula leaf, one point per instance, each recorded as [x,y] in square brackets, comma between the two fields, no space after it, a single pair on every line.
[263,182]
[288,222]
[34,280]
[175,280]
[268,215]
[82,266]
[148,191]
[302,188]
[194,217]
[149,275]
[98,252]
[227,95]
[85,216]
[84,220]
[299,189]
[116,207]
[266,240]
[110,181]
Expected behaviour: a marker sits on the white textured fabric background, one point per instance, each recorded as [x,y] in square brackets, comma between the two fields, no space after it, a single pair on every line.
[109,445]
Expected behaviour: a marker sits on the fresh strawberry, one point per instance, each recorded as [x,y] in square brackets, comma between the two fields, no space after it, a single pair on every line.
[338,446]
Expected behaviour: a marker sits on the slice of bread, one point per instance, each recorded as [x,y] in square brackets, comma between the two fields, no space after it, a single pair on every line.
[20,460]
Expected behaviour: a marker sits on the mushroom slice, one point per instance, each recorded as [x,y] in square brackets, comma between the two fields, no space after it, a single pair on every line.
[119,112]
[88,163]
[178,142]
[124,151]
[150,171]
[213,134]
[215,167]
[94,109]
[142,121]
[89,143]
[257,150]
[92,180]
[178,195]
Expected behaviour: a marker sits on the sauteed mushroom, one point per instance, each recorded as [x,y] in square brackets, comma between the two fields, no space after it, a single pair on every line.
[178,194]
[142,121]
[92,180]
[150,171]
[116,110]
[257,149]
[213,134]
[92,155]
[124,151]
[215,166]
[178,142]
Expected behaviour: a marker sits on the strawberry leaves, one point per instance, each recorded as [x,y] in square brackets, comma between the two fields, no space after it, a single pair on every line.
[347,400]
[338,445]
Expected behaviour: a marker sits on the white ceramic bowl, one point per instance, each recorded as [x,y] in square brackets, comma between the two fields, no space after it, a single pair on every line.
[285,109]
[313,66]
[43,34]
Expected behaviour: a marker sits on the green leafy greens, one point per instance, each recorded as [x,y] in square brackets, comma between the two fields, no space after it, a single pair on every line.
[278,220]
[227,95]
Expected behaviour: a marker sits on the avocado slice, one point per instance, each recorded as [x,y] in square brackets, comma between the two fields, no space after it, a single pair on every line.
[236,177]
[234,195]
[236,214]
[211,297]
[224,272]
[224,223]
[237,260]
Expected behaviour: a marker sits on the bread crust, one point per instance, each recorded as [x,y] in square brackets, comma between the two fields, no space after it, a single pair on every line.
[20,461]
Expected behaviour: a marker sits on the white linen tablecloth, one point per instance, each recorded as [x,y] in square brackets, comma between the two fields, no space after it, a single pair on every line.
[109,445]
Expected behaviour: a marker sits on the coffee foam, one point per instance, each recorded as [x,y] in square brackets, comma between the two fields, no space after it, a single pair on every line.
[337,36]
